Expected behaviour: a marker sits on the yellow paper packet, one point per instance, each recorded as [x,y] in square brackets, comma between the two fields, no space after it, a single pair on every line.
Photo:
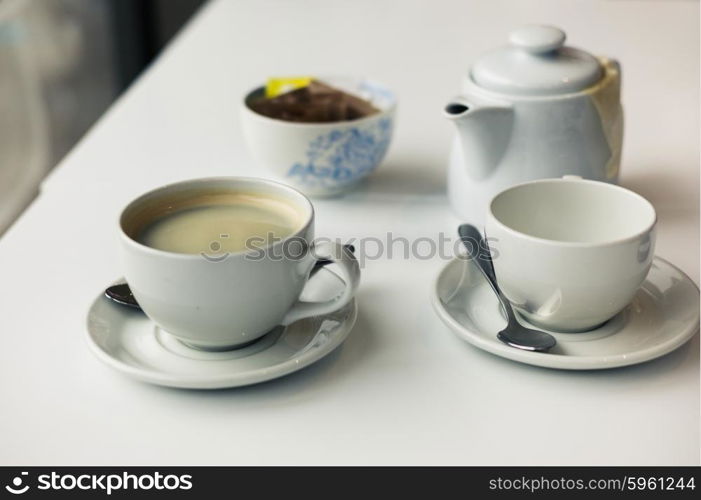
[276,86]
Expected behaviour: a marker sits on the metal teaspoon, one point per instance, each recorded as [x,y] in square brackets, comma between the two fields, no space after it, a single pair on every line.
[515,334]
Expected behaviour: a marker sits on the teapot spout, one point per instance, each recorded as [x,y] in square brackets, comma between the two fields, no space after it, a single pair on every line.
[484,131]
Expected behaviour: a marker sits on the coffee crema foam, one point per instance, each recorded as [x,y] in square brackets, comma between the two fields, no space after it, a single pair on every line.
[217,223]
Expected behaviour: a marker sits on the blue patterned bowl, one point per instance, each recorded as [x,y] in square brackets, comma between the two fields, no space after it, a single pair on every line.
[323,159]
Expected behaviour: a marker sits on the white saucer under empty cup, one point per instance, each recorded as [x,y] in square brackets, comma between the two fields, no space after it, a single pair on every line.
[662,316]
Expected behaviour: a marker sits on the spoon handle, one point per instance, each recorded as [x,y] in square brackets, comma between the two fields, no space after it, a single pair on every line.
[479,252]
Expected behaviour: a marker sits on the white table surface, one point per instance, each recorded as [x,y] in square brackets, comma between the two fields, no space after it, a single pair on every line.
[403,389]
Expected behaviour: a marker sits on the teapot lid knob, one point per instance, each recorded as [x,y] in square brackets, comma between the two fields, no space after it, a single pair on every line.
[537,39]
[536,62]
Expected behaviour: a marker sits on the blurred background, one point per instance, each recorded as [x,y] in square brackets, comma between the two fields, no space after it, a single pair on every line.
[62,63]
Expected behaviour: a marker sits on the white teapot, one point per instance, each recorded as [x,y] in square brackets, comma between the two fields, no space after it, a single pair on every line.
[530,110]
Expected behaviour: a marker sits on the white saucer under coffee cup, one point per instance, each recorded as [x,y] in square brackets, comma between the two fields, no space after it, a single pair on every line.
[223,303]
[569,253]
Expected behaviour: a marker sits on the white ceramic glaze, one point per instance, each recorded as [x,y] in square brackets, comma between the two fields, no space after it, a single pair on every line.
[570,253]
[525,114]
[230,300]
[323,159]
[663,315]
[131,343]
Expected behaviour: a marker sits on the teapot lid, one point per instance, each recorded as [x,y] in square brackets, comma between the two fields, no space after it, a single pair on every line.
[536,63]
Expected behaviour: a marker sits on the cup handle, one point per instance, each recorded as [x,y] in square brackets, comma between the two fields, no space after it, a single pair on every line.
[350,274]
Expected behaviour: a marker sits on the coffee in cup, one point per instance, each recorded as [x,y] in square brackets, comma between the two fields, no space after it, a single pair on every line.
[217,222]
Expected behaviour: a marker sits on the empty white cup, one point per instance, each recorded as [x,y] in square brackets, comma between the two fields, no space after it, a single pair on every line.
[569,254]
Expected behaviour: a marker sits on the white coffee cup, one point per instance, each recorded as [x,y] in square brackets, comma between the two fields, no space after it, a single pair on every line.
[568,253]
[223,303]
